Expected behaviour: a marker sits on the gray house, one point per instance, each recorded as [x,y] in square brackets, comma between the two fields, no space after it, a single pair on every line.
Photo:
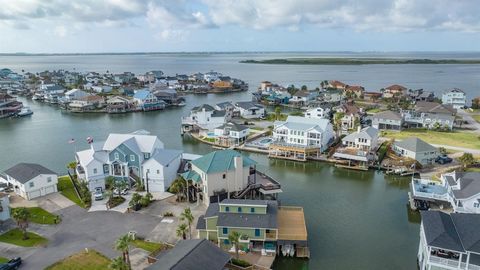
[193,254]
[417,149]
[430,115]
[387,120]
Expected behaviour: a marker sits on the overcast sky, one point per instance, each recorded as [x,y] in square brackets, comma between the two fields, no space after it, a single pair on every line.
[69,26]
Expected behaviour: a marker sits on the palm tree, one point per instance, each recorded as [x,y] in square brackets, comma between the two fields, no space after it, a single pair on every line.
[278,113]
[21,216]
[118,264]
[182,231]
[122,245]
[188,216]
[234,238]
[71,166]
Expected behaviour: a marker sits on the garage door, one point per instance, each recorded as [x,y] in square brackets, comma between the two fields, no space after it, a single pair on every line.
[34,194]
[155,185]
[49,189]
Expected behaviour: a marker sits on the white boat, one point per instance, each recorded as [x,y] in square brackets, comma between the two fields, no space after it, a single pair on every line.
[181,104]
[25,111]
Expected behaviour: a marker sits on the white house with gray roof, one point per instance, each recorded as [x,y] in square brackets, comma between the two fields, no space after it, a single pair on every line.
[31,180]
[129,157]
[249,110]
[203,117]
[430,115]
[387,120]
[449,241]
[359,145]
[230,134]
[455,97]
[416,149]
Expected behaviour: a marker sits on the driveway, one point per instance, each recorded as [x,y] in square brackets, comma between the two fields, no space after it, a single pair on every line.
[80,229]
[52,202]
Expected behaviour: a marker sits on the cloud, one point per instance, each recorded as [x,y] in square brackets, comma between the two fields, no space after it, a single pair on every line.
[60,31]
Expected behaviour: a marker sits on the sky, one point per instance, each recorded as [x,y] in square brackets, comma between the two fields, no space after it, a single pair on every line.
[92,26]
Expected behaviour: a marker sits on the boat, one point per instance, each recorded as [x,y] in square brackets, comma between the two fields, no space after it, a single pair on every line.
[181,104]
[25,111]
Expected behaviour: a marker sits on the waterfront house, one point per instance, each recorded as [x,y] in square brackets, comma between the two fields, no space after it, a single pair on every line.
[265,86]
[303,98]
[31,180]
[394,91]
[231,134]
[134,157]
[75,94]
[387,120]
[430,115]
[351,116]
[354,91]
[229,109]
[455,97]
[459,189]
[4,207]
[146,101]
[263,225]
[228,174]
[318,112]
[449,241]
[87,103]
[169,96]
[9,105]
[338,85]
[299,137]
[416,149]
[359,146]
[421,95]
[101,89]
[192,254]
[203,118]
[372,96]
[249,110]
[119,104]
[331,95]
[211,76]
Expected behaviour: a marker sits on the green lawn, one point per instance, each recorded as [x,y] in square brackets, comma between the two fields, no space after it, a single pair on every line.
[476,117]
[456,138]
[82,261]
[15,236]
[3,260]
[148,246]
[41,216]
[65,186]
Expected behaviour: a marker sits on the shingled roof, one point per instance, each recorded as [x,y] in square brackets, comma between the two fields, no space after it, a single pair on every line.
[24,172]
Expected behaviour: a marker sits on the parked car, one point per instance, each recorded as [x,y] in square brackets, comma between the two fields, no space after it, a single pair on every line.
[120,192]
[443,159]
[12,264]
[98,194]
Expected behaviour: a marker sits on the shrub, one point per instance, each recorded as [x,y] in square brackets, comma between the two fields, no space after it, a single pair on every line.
[240,263]
[115,201]
[168,214]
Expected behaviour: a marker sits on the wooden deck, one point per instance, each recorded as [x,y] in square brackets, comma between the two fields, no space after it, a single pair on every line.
[291,223]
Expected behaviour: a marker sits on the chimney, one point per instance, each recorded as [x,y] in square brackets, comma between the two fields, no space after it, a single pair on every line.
[238,163]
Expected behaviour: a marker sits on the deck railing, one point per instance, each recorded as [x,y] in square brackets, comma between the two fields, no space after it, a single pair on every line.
[453,264]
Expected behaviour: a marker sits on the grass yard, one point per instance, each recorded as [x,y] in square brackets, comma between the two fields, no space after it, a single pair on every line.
[92,260]
[3,260]
[476,117]
[457,139]
[148,246]
[65,186]
[15,236]
[41,216]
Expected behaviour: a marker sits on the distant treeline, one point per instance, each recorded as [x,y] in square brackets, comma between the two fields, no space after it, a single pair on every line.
[359,61]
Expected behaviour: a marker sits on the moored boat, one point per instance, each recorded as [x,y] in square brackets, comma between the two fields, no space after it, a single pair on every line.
[25,111]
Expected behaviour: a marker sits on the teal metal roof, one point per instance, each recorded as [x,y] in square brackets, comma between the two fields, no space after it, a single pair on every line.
[191,175]
[221,161]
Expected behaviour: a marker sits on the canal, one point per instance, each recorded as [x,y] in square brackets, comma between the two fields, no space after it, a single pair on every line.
[355,220]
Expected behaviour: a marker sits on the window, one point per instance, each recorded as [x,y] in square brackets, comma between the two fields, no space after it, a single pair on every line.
[252,210]
[158,171]
[476,205]
[225,230]
[227,209]
[146,155]
[224,176]
[132,158]
[105,168]
[257,232]
[116,156]
[225,241]
[32,184]
[239,210]
[95,171]
[49,179]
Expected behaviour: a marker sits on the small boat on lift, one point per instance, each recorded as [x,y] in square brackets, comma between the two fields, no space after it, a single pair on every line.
[25,111]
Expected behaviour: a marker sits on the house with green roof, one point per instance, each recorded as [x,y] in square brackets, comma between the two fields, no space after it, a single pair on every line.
[224,173]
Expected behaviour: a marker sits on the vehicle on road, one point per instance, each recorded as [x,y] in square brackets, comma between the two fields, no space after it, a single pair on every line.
[12,264]
[98,194]
[443,159]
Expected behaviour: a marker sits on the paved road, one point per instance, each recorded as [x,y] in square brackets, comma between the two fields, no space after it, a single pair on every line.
[79,230]
[471,122]
[462,149]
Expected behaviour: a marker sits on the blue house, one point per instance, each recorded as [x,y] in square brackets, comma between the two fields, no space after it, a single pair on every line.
[147,101]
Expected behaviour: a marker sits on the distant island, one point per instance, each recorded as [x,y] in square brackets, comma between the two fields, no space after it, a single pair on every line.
[358,61]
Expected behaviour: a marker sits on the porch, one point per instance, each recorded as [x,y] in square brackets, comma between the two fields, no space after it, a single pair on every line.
[292,151]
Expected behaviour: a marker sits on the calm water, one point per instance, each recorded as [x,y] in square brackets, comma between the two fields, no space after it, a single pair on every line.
[355,220]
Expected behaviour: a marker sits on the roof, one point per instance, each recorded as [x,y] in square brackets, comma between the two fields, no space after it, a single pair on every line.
[416,145]
[193,254]
[212,210]
[366,133]
[207,108]
[440,231]
[388,115]
[192,176]
[24,172]
[396,87]
[221,161]
[232,126]
[201,224]
[141,94]
[469,184]
[434,107]
[91,98]
[247,105]
[165,156]
[145,143]
[302,123]
[248,220]
[454,90]
[244,202]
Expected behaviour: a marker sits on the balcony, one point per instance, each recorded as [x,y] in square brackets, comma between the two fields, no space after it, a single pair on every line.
[451,263]
[430,190]
[187,120]
[271,235]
